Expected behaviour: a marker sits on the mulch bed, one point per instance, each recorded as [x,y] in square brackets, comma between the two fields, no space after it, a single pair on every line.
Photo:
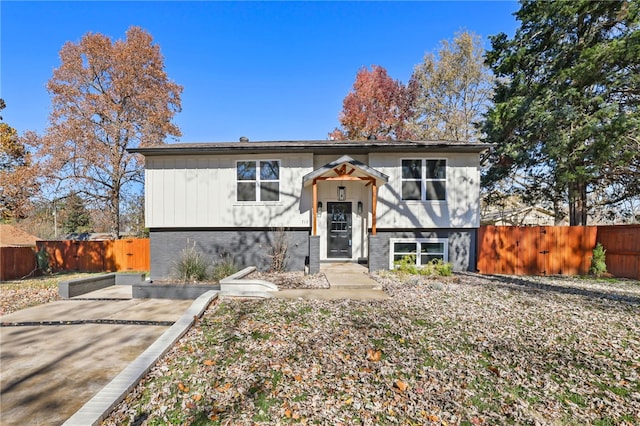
[292,280]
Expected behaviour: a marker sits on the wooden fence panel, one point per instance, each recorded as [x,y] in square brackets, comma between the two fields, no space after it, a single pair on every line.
[132,255]
[98,256]
[535,250]
[62,255]
[16,262]
[622,243]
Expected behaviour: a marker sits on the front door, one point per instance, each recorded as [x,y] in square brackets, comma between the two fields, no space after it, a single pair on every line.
[339,230]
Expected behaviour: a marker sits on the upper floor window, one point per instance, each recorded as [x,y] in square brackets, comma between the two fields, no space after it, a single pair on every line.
[424,179]
[258,180]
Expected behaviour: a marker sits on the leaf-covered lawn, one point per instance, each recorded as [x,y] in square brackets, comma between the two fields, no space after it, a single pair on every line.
[464,350]
[16,295]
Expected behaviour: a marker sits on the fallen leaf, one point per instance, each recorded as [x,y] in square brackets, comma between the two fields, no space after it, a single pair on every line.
[209,362]
[224,388]
[196,397]
[402,386]
[374,355]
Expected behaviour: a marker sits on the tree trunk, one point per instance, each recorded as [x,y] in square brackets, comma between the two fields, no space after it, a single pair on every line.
[558,213]
[114,206]
[577,204]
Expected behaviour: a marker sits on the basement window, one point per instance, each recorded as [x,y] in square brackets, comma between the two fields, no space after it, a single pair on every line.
[423,249]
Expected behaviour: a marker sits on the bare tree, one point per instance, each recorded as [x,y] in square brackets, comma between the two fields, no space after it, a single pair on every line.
[107,97]
[454,89]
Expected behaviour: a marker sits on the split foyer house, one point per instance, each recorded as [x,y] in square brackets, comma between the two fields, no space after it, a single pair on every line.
[356,201]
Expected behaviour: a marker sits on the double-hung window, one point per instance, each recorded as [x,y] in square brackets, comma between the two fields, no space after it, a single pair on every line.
[424,179]
[258,180]
[423,250]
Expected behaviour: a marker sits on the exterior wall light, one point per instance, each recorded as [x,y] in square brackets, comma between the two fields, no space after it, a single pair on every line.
[359,207]
[319,207]
[342,193]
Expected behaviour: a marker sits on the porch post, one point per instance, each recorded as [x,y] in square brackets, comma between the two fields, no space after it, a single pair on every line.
[374,206]
[315,207]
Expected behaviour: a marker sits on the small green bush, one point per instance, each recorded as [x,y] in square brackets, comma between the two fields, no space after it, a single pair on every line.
[224,268]
[436,267]
[598,261]
[192,265]
[406,265]
[442,268]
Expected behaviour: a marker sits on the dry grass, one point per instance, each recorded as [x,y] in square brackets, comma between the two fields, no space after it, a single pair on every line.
[466,350]
[16,295]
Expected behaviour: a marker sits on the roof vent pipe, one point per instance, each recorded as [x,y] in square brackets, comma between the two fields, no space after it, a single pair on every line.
[244,139]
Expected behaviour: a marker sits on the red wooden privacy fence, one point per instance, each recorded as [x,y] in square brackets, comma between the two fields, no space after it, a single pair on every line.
[623,249]
[85,256]
[97,256]
[16,262]
[553,250]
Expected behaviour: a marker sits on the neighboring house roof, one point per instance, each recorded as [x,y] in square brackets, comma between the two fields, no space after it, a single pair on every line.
[331,169]
[89,236]
[520,216]
[317,147]
[11,236]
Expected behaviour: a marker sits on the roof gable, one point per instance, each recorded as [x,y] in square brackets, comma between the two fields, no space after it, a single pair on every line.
[345,166]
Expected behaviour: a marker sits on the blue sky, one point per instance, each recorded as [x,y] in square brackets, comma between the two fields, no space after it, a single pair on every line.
[265,70]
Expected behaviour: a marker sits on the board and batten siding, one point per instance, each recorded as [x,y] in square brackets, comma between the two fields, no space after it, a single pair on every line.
[200,192]
[460,210]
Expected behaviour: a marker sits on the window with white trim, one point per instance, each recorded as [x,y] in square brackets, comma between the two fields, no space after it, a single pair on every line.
[423,249]
[258,180]
[424,179]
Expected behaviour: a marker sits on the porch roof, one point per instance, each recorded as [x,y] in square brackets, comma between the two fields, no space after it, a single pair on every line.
[337,169]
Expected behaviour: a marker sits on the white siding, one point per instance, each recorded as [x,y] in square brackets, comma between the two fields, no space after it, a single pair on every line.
[200,191]
[460,210]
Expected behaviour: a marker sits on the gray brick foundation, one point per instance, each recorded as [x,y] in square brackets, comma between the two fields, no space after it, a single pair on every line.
[378,253]
[246,247]
[462,246]
[314,254]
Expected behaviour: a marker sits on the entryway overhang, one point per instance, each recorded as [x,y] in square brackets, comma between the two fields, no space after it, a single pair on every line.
[345,168]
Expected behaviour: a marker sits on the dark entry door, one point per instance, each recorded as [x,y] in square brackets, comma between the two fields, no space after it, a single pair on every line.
[339,230]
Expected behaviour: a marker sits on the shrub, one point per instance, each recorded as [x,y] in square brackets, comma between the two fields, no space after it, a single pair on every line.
[406,265]
[278,251]
[224,268]
[441,268]
[598,261]
[437,267]
[192,265]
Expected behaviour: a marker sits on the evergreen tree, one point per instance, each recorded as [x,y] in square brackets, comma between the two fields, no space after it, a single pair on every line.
[565,117]
[77,218]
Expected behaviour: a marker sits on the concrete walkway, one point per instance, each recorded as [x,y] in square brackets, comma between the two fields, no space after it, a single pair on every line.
[55,357]
[346,281]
